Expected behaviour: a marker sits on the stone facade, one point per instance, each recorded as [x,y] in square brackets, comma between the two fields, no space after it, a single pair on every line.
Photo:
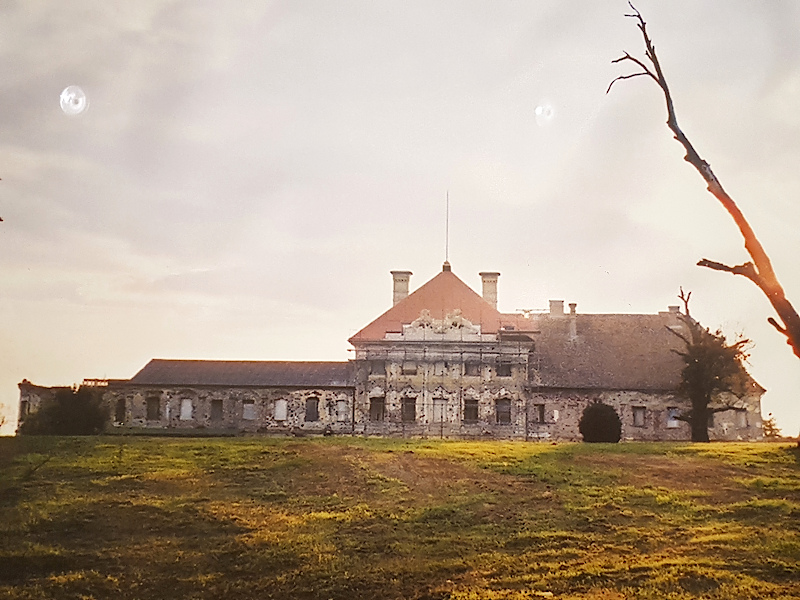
[441,362]
[242,409]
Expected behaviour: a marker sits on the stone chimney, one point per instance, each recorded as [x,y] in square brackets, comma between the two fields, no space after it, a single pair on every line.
[556,308]
[400,281]
[573,321]
[489,281]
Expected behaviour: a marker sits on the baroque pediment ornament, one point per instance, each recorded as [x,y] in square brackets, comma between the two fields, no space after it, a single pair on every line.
[452,321]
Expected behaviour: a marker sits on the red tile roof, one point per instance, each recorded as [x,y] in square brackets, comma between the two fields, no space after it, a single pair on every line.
[441,295]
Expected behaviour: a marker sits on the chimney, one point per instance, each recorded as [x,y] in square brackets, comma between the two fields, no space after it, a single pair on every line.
[556,308]
[400,281]
[489,281]
[573,321]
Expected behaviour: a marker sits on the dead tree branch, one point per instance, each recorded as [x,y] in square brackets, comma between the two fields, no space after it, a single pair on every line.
[760,270]
[684,297]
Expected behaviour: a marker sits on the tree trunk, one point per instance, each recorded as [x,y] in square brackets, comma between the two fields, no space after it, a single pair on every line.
[699,420]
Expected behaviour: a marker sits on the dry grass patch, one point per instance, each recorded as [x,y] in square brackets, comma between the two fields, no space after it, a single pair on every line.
[354,518]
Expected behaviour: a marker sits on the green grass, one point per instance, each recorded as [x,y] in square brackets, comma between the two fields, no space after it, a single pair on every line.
[354,518]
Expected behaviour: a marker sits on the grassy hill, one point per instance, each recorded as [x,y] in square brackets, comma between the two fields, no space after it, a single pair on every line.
[351,518]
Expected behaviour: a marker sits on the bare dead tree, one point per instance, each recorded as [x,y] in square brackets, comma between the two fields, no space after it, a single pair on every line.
[759,270]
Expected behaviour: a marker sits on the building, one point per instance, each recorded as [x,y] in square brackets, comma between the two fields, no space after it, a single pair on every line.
[441,362]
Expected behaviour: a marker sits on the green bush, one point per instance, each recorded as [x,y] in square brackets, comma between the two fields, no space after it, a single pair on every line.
[600,423]
[69,412]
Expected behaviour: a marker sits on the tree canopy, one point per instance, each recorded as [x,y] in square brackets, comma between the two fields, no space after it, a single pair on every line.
[712,366]
[69,412]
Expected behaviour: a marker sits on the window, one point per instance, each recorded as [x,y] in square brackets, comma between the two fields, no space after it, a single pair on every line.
[341,410]
[439,410]
[741,419]
[23,409]
[555,416]
[119,411]
[409,410]
[409,368]
[248,410]
[538,413]
[186,409]
[472,369]
[280,410]
[377,367]
[154,409]
[312,409]
[672,417]
[503,411]
[504,369]
[377,409]
[470,410]
[638,416]
[216,410]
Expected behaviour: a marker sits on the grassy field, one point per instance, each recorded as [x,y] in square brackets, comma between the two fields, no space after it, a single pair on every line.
[351,518]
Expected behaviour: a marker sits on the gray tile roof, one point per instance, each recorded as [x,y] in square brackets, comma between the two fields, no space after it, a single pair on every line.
[633,352]
[245,373]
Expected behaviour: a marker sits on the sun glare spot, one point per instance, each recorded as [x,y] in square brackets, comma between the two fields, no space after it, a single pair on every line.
[544,114]
[73,101]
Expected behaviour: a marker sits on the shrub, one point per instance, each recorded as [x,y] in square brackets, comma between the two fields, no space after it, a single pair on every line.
[69,412]
[600,423]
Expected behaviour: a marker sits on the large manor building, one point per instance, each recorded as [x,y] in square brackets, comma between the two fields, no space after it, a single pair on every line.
[441,362]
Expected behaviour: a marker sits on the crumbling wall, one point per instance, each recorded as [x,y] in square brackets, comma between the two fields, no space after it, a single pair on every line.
[278,410]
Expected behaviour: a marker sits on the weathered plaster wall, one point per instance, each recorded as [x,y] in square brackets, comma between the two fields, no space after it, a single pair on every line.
[334,408]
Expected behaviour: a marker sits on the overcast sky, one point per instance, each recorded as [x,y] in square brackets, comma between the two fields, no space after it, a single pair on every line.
[246,175]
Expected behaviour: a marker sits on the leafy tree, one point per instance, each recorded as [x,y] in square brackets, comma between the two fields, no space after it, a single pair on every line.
[712,366]
[600,423]
[69,412]
[759,269]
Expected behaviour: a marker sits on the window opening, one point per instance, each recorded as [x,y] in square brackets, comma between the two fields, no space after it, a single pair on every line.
[503,411]
[638,416]
[186,409]
[439,410]
[409,409]
[377,409]
[341,411]
[409,368]
[248,410]
[153,409]
[470,410]
[672,417]
[216,410]
[280,409]
[312,409]
[119,411]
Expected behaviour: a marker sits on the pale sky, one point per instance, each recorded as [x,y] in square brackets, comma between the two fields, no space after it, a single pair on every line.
[247,174]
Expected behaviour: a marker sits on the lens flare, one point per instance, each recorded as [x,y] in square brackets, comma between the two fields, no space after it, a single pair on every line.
[544,114]
[73,100]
